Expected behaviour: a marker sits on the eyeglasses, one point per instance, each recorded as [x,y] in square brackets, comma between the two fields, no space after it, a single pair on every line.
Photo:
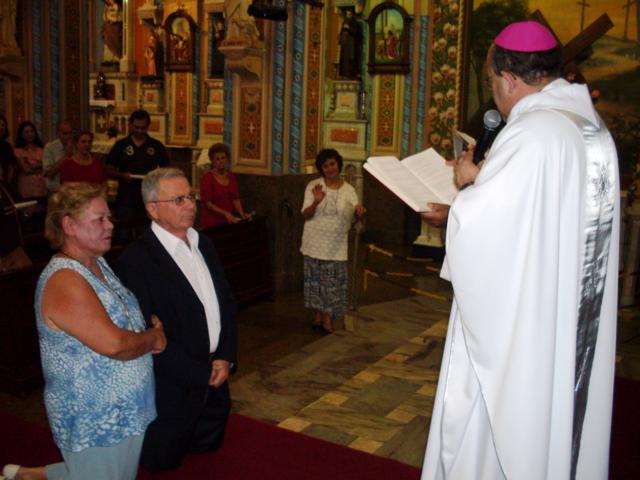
[179,200]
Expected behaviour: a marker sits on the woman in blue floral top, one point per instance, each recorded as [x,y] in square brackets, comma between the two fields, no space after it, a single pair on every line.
[94,345]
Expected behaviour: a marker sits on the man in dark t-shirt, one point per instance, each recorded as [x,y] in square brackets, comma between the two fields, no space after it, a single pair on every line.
[128,161]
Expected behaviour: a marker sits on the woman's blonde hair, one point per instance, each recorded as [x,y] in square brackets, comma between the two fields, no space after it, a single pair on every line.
[70,200]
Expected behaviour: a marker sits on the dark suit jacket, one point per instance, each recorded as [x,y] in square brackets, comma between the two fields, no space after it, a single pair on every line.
[182,371]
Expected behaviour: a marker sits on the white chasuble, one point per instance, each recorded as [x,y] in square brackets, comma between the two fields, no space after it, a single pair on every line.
[526,382]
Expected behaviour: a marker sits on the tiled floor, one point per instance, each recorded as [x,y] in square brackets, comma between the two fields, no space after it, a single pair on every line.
[373,389]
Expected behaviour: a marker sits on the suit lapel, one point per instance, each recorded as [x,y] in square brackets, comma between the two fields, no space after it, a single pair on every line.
[167,264]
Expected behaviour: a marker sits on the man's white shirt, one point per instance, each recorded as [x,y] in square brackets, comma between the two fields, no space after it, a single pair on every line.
[192,264]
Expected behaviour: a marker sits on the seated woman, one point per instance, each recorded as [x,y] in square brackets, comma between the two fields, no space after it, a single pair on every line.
[219,191]
[28,150]
[95,348]
[81,166]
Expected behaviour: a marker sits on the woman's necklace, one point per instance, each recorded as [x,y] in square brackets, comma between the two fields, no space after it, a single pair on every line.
[331,199]
[82,159]
[334,185]
[221,178]
[98,273]
[102,278]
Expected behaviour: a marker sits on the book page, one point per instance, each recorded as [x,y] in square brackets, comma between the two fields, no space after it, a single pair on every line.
[397,178]
[460,142]
[432,170]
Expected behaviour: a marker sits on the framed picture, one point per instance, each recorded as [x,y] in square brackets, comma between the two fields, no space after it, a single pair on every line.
[388,39]
[180,29]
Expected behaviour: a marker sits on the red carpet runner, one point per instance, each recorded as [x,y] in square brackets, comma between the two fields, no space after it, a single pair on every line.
[256,450]
[252,450]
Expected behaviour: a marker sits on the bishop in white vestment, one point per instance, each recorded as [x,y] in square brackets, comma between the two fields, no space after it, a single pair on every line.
[526,383]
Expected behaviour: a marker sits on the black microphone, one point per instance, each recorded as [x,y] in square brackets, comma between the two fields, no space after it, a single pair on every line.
[492,120]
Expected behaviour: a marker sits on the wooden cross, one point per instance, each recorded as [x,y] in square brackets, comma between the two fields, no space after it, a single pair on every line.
[575,51]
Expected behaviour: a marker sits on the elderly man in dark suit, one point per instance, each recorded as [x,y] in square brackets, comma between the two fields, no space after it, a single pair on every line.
[176,274]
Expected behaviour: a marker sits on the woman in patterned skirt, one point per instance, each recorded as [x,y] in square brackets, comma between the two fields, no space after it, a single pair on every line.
[328,209]
[94,346]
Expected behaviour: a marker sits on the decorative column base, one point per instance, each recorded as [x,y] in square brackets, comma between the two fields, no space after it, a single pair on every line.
[211,122]
[345,129]
[152,93]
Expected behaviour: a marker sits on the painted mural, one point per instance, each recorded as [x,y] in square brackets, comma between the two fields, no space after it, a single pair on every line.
[611,66]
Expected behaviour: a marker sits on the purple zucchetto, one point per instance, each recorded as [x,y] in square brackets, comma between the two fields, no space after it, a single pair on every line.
[526,36]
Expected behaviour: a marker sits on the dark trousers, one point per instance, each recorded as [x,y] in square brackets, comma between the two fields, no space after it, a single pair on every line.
[168,440]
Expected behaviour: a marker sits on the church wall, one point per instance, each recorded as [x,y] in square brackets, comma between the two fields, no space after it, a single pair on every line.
[276,110]
[47,78]
[301,53]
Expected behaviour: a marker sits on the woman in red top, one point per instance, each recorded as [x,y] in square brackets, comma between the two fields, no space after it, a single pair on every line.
[82,166]
[219,191]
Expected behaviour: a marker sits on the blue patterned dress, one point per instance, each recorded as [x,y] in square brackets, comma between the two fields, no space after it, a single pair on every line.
[93,400]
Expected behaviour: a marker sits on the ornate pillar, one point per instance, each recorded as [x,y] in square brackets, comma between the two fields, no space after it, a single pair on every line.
[246,57]
[152,95]
[14,69]
[211,112]
[127,61]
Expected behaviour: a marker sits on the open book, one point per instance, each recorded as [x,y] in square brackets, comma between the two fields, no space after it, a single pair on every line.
[417,180]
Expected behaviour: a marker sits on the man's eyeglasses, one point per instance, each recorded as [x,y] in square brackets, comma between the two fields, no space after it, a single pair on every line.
[179,200]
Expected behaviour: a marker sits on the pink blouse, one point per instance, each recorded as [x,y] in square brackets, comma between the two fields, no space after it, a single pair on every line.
[31,184]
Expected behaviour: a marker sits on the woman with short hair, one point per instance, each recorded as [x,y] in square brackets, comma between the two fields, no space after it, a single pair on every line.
[219,191]
[82,166]
[328,209]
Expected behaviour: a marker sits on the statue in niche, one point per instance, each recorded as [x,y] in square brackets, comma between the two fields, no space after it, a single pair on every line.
[112,31]
[8,10]
[350,46]
[241,28]
[153,54]
[217,58]
[100,87]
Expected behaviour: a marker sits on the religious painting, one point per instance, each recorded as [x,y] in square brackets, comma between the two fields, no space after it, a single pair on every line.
[153,55]
[388,39]
[111,32]
[605,55]
[180,34]
[218,28]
